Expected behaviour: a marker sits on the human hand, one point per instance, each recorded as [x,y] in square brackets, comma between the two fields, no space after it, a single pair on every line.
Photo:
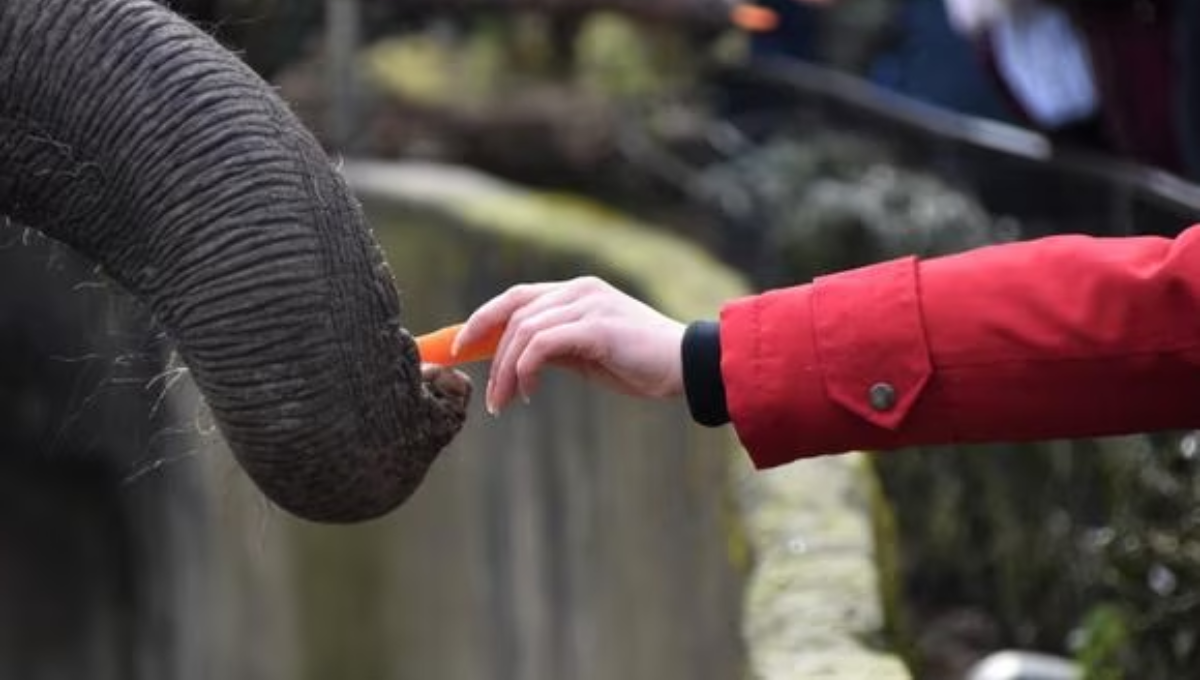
[585,325]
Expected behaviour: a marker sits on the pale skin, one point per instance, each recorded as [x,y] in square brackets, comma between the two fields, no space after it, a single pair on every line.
[584,325]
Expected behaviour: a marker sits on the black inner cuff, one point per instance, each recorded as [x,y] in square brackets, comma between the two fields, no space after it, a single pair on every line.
[702,381]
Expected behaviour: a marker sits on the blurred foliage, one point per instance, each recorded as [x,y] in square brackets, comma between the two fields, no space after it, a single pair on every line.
[623,59]
[435,71]
[820,201]
[1043,537]
[1149,554]
[614,57]
[491,62]
[1103,638]
[989,529]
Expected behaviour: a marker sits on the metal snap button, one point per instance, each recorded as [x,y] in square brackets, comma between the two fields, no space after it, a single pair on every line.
[882,396]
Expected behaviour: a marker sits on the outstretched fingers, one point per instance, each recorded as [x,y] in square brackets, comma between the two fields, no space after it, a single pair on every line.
[495,313]
[526,327]
[585,325]
[573,343]
[525,312]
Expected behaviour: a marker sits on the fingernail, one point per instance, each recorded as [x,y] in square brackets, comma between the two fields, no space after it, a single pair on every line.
[525,398]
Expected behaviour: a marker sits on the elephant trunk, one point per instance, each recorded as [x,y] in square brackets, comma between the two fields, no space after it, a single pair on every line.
[131,136]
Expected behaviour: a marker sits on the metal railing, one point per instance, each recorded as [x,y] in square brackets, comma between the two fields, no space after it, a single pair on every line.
[1012,171]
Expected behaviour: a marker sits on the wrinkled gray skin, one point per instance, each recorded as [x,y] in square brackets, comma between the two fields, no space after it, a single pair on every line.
[131,136]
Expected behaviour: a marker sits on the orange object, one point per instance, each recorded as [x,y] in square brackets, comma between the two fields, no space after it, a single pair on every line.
[754,19]
[435,347]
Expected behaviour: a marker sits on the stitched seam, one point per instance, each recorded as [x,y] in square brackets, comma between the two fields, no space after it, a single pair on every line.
[756,360]
[1071,359]
[952,408]
[822,374]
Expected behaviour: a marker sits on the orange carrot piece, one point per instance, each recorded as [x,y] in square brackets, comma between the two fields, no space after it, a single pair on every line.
[435,347]
[753,18]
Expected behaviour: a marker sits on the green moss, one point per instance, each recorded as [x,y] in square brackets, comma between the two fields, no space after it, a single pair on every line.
[887,558]
[739,545]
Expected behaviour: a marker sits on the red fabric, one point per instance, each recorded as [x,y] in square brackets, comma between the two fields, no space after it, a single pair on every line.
[1068,336]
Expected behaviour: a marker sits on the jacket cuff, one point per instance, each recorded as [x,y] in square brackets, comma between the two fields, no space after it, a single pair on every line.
[827,367]
[702,380]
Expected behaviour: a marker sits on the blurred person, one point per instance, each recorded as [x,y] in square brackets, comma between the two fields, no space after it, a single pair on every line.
[1040,58]
[1068,336]
[1098,73]
[1039,54]
[1187,59]
[970,17]
[795,36]
[1132,48]
[927,59]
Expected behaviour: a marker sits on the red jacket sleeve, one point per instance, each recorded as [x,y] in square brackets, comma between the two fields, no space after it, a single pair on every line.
[1067,336]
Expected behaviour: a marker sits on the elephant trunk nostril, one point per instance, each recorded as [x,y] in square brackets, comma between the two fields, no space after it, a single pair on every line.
[449,386]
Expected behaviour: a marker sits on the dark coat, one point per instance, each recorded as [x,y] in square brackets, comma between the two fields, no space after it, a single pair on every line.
[1132,45]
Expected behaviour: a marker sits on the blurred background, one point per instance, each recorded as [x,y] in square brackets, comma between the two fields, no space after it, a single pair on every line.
[691,151]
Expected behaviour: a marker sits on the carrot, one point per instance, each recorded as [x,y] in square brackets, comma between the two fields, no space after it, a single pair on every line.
[435,347]
[753,18]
